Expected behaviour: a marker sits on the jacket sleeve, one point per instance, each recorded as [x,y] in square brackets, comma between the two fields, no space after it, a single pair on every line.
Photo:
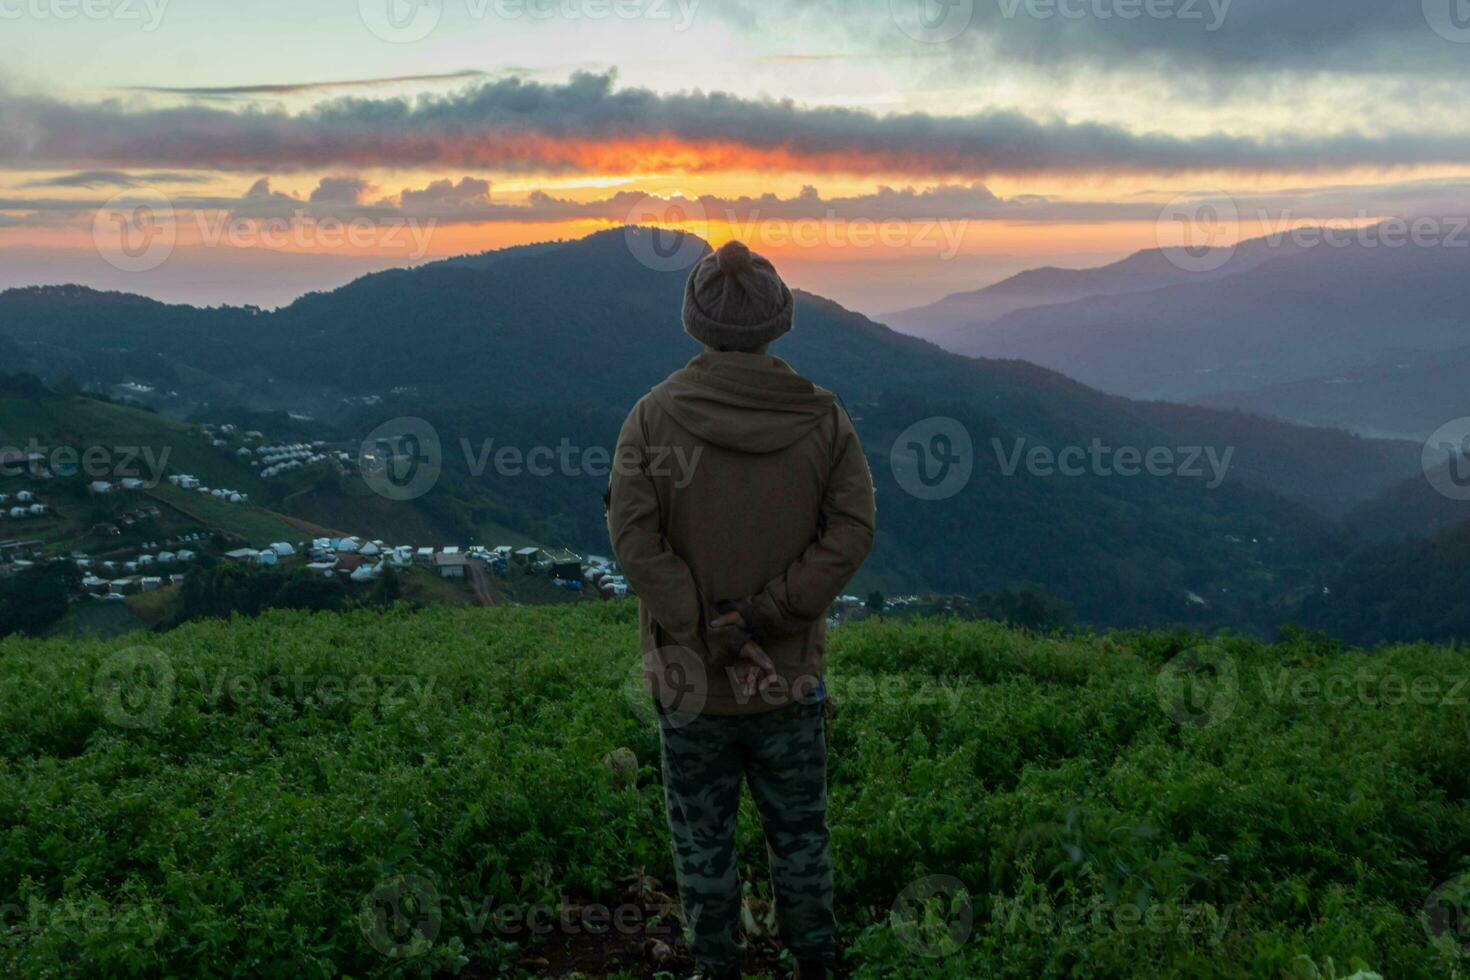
[801,595]
[661,578]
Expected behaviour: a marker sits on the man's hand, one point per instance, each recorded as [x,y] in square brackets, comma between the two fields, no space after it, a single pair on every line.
[729,619]
[754,671]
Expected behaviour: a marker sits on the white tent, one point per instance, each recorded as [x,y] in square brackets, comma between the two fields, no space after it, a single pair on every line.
[366,573]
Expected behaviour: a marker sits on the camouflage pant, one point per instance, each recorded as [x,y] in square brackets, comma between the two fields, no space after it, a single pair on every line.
[783,755]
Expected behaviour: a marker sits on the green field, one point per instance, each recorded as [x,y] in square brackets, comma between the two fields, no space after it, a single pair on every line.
[147,443]
[253,524]
[1110,808]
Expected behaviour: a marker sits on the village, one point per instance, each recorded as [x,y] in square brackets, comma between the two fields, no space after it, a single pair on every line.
[360,561]
[115,573]
[272,459]
[113,576]
[140,548]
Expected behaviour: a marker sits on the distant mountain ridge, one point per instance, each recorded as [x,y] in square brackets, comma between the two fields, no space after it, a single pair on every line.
[953,321]
[1364,335]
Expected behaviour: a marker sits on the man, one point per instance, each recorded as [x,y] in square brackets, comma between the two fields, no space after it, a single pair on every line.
[739,507]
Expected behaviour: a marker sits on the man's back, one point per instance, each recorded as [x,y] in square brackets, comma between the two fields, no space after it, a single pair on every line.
[755,481]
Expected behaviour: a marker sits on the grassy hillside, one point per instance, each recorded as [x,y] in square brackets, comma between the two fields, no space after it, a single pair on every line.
[389,794]
[128,441]
[254,524]
[58,421]
[141,443]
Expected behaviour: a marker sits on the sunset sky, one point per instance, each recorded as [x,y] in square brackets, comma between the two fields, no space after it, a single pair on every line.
[884,152]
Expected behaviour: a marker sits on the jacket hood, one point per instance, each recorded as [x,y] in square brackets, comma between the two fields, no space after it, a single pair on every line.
[752,403]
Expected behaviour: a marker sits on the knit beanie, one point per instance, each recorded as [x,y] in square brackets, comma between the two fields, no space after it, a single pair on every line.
[735,300]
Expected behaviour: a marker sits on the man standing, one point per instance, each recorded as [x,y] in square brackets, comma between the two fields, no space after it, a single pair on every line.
[736,553]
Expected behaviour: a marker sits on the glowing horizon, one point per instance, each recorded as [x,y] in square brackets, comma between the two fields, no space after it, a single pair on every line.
[1017,139]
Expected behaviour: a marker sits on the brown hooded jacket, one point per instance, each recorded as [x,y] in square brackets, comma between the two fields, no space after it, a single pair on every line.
[738,480]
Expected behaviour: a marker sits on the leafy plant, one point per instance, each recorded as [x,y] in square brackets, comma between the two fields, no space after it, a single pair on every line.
[320,794]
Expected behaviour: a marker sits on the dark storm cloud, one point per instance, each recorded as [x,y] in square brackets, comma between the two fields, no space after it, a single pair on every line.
[587,124]
[92,179]
[1220,36]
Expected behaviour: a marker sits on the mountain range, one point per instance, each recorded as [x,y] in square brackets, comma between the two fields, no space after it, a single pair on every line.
[553,343]
[1365,334]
